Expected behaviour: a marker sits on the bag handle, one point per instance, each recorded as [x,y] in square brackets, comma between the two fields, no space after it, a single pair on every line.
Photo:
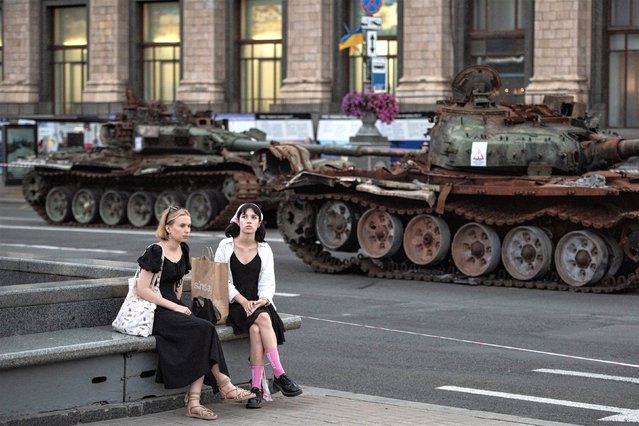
[208,251]
[158,275]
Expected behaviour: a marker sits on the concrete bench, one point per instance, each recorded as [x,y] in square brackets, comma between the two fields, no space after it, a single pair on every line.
[58,350]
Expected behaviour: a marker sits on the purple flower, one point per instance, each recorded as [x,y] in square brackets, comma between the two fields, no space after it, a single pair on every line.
[383,105]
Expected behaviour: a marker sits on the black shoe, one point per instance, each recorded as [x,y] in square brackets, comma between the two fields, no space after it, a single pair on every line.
[257,401]
[287,386]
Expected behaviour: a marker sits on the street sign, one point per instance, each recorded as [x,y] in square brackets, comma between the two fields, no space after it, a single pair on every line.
[371,23]
[378,73]
[371,7]
[371,43]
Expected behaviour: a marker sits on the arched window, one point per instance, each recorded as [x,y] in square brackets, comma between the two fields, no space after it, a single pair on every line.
[623,63]
[69,56]
[160,50]
[260,54]
[386,44]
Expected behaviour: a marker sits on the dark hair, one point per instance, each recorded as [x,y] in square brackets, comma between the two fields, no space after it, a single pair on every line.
[233,230]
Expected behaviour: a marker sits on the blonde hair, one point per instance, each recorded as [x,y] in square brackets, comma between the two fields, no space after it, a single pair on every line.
[168,217]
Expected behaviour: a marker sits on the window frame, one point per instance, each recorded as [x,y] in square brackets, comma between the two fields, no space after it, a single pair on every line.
[608,31]
[47,75]
[465,34]
[3,41]
[249,103]
[136,48]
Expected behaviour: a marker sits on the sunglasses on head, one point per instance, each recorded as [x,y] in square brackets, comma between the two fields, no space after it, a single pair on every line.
[174,208]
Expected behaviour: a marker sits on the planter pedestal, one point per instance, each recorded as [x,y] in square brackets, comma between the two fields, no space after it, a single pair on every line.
[369,135]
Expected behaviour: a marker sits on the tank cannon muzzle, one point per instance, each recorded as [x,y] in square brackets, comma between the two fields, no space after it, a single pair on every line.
[628,148]
[612,151]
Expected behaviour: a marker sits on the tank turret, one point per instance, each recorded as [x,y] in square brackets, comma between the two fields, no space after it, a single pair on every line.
[472,132]
[507,195]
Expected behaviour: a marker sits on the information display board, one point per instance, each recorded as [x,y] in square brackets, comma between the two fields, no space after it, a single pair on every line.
[19,143]
[237,122]
[336,129]
[296,127]
[54,135]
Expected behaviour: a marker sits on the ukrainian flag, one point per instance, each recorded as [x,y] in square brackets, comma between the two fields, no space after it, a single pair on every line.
[352,39]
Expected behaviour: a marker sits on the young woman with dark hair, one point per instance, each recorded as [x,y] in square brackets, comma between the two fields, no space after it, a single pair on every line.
[251,291]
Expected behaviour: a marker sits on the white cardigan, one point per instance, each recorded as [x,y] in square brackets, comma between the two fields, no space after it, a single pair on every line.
[266,282]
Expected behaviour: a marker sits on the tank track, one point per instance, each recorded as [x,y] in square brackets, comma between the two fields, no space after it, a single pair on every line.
[312,253]
[246,184]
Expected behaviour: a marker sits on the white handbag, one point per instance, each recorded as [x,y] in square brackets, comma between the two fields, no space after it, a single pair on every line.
[136,314]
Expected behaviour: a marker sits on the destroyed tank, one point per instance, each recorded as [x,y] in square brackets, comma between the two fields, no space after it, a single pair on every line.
[152,159]
[507,195]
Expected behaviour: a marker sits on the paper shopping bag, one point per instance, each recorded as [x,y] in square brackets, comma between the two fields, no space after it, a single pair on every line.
[209,279]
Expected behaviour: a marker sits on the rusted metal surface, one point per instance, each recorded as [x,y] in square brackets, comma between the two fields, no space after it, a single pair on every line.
[508,195]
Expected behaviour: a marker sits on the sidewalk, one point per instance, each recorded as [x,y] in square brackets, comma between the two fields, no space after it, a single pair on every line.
[318,406]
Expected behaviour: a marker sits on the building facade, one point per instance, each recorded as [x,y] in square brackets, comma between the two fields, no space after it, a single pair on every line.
[79,57]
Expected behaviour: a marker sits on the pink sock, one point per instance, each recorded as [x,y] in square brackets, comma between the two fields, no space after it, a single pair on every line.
[256,376]
[274,358]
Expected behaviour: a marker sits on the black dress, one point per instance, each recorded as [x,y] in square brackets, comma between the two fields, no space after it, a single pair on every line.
[245,279]
[187,346]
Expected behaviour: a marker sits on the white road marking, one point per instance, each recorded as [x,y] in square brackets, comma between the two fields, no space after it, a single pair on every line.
[589,375]
[79,230]
[624,414]
[21,219]
[473,342]
[287,294]
[150,232]
[84,250]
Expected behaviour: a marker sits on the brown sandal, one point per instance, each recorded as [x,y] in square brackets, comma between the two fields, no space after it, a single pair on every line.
[201,411]
[238,394]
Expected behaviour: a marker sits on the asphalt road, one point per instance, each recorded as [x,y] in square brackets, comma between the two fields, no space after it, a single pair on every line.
[555,356]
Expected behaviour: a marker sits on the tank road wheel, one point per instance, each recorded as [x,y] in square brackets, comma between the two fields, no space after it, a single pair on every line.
[615,255]
[295,220]
[630,241]
[476,249]
[203,206]
[426,240]
[113,207]
[166,199]
[58,204]
[581,258]
[85,205]
[33,187]
[379,233]
[139,209]
[526,252]
[336,226]
[229,188]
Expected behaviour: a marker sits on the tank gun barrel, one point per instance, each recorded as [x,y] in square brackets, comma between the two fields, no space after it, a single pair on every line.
[611,150]
[628,148]
[353,151]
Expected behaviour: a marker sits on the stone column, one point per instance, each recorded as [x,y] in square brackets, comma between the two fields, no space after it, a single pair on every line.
[21,51]
[309,57]
[562,50]
[203,52]
[108,51]
[428,55]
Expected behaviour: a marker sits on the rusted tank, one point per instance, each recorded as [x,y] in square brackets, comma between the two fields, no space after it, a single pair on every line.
[508,195]
[152,159]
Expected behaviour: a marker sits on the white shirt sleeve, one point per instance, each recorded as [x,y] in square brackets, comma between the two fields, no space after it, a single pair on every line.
[266,283]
